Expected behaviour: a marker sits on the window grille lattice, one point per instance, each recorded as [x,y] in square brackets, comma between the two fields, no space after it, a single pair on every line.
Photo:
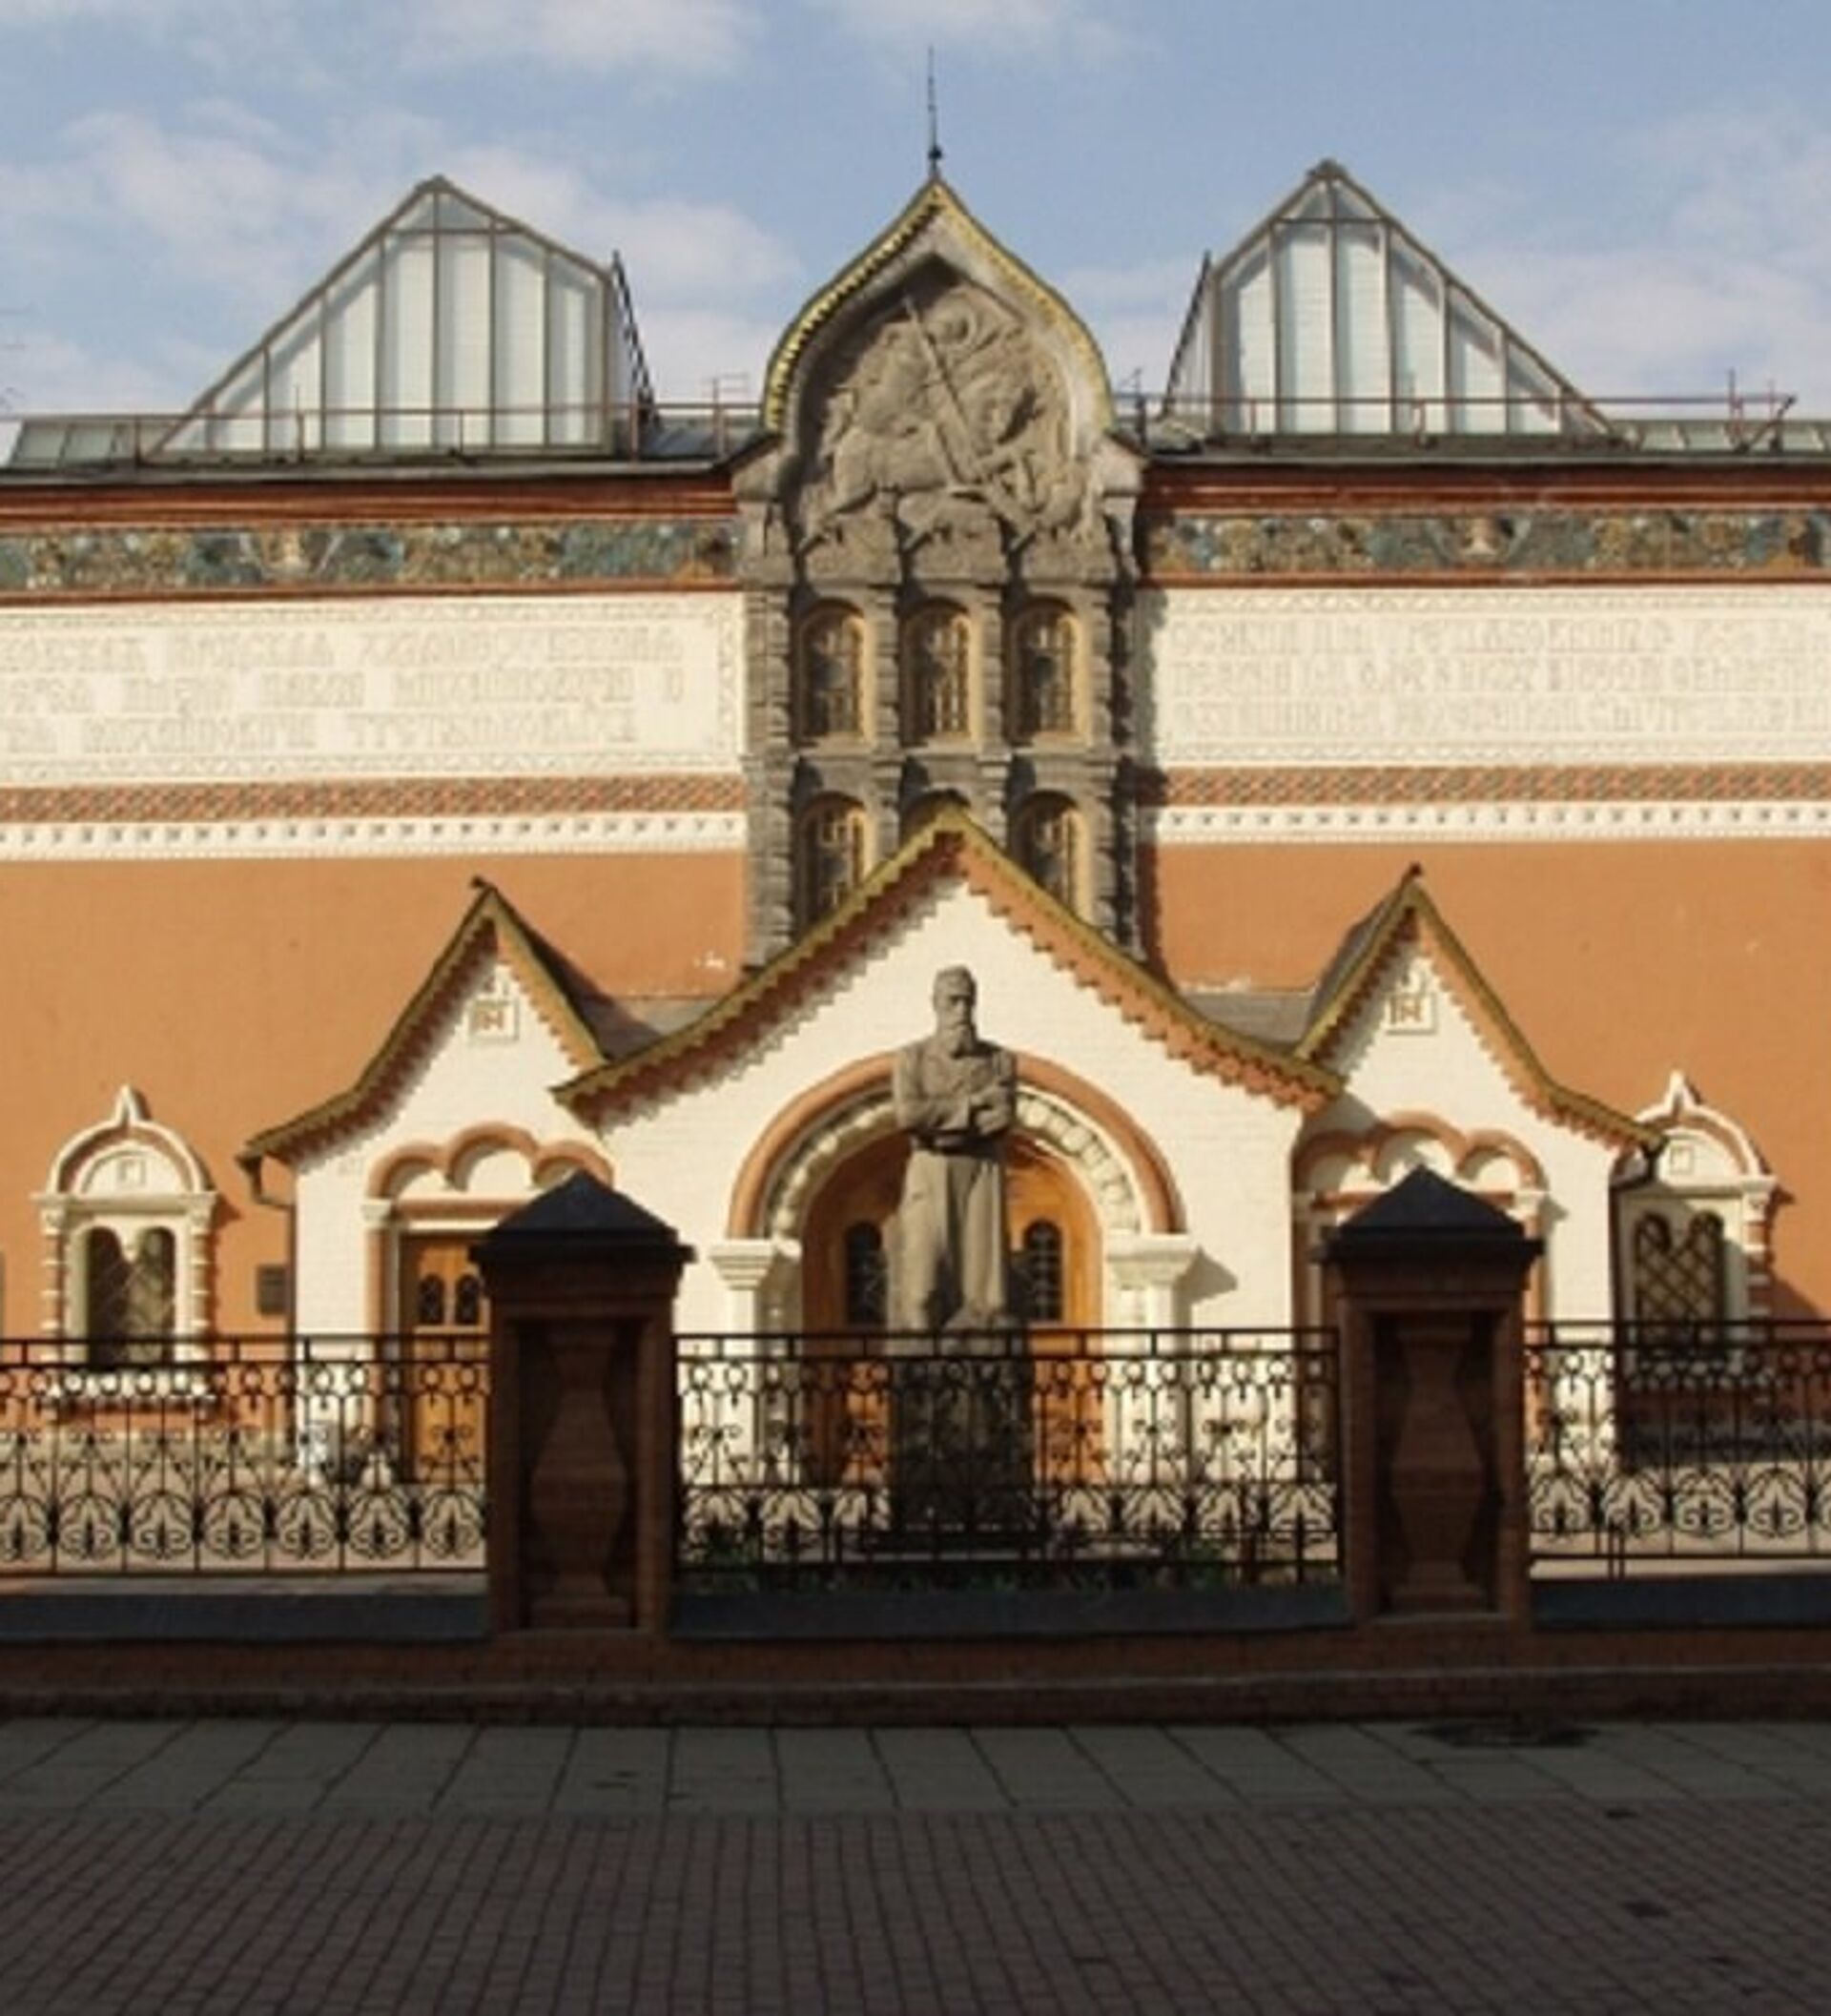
[832,857]
[938,673]
[1678,1277]
[1046,674]
[1038,1264]
[1049,848]
[867,1279]
[831,667]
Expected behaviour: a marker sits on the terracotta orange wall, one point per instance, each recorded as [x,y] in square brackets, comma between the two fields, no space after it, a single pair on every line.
[1617,962]
[235,995]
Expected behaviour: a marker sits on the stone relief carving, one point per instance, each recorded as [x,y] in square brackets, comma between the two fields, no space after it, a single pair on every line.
[945,432]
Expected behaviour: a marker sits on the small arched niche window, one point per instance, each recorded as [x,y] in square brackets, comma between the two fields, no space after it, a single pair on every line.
[1693,1224]
[829,856]
[1043,670]
[937,674]
[1048,846]
[127,1213]
[867,1277]
[1038,1264]
[829,675]
[1679,1275]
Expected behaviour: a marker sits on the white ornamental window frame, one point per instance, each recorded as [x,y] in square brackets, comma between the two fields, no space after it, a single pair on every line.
[1705,1163]
[129,1176]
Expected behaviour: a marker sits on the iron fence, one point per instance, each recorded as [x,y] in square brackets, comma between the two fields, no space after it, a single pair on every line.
[1058,1458]
[1700,1443]
[242,1454]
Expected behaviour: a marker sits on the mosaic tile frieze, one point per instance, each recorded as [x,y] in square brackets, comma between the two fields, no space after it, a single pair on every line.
[71,560]
[1539,541]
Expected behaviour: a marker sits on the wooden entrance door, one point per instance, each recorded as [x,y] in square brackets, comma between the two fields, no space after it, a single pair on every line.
[847,1253]
[444,1332]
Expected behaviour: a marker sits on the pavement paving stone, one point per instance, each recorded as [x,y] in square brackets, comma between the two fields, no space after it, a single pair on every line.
[615,1771]
[832,1771]
[1145,1767]
[509,1770]
[922,1872]
[722,1771]
[187,1770]
[939,1770]
[402,1770]
[1040,1768]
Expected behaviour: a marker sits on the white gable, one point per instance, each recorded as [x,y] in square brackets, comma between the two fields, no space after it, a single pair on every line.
[1227,1149]
[484,1075]
[1411,1054]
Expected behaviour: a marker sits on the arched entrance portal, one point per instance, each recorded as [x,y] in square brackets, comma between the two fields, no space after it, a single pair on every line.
[848,1251]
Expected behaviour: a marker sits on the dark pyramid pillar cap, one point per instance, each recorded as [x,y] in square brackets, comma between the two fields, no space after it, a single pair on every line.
[583,1212]
[1423,1209]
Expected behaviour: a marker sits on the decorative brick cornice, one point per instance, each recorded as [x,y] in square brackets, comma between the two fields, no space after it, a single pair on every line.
[1486,784]
[370,798]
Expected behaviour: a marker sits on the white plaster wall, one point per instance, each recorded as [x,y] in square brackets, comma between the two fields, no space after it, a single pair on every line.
[1228,1149]
[1450,1072]
[459,1083]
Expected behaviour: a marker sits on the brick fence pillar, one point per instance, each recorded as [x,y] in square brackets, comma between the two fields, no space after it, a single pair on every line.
[1429,1281]
[582,1284]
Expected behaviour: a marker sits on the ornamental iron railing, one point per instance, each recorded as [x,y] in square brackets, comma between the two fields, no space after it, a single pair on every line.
[265,1455]
[1703,1443]
[1096,1459]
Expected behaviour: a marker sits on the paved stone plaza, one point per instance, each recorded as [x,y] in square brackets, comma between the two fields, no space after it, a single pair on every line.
[342,1868]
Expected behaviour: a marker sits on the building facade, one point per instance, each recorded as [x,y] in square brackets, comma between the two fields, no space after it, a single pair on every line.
[429,767]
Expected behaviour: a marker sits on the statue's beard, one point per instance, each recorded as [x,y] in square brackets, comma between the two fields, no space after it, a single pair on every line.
[957,1042]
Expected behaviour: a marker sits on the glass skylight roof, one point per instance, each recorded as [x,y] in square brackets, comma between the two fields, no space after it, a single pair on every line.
[1331,318]
[450,327]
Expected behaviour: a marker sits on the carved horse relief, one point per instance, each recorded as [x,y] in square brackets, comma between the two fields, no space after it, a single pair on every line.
[944,424]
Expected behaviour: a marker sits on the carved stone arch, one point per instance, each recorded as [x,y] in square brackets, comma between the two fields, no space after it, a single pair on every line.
[1119,1166]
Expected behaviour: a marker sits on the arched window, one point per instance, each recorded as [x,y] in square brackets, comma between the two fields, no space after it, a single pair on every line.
[830,857]
[867,1278]
[829,668]
[1678,1274]
[1037,1267]
[938,674]
[1042,659]
[1048,847]
[128,1212]
[128,1297]
[1693,1227]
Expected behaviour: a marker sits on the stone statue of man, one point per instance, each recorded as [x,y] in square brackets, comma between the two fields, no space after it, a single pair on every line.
[956,1098]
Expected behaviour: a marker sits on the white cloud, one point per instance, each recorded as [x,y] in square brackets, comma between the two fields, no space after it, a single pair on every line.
[1730,272]
[673,249]
[1083,31]
[1135,314]
[235,219]
[686,37]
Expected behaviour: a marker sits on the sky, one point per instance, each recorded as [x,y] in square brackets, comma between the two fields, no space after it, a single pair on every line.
[1642,187]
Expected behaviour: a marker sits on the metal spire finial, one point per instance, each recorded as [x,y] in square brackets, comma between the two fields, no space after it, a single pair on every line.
[933,123]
